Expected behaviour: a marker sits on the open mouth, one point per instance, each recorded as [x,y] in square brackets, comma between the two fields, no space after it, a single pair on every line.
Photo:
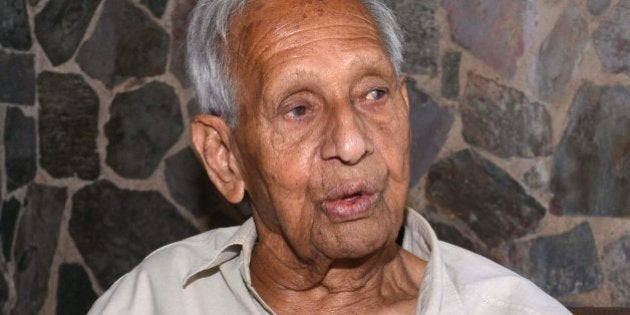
[349,202]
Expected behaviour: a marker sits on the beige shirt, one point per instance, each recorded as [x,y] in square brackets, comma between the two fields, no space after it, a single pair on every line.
[209,274]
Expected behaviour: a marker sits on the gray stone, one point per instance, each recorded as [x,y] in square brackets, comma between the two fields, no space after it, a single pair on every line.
[179,24]
[8,218]
[143,125]
[35,245]
[616,258]
[4,293]
[562,264]
[75,295]
[611,40]
[14,29]
[596,7]
[559,54]
[19,146]
[430,125]
[190,186]
[450,234]
[60,26]
[68,118]
[591,173]
[491,30]
[501,120]
[422,36]
[126,43]
[19,87]
[114,229]
[450,74]
[155,6]
[483,196]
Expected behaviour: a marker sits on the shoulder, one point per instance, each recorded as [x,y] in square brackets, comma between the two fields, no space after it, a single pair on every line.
[162,274]
[189,252]
[486,286]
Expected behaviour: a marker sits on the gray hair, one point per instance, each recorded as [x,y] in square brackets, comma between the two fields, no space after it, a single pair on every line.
[208,59]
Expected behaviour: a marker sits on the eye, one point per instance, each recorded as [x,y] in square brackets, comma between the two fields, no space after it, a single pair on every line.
[376,94]
[298,111]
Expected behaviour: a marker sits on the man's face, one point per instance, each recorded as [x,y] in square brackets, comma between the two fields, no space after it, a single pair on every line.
[323,133]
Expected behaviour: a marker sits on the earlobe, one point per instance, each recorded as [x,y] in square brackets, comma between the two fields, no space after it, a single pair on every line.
[211,141]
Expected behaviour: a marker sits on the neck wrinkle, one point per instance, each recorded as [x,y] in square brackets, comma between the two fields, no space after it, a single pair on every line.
[326,284]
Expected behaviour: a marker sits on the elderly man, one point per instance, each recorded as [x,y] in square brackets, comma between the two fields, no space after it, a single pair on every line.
[306,116]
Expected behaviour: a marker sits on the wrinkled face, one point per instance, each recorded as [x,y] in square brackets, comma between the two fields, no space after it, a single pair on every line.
[323,134]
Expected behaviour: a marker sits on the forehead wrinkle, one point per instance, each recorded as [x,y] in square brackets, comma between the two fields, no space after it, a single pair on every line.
[290,42]
[265,56]
[371,62]
[265,63]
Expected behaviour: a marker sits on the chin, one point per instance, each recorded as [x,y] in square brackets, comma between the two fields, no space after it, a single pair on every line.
[356,239]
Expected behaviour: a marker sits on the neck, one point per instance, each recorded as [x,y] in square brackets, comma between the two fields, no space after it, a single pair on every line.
[386,279]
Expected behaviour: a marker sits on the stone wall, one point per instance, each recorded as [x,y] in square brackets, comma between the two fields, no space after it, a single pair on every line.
[521,141]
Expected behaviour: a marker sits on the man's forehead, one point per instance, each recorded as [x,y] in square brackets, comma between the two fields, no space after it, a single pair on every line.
[271,41]
[262,19]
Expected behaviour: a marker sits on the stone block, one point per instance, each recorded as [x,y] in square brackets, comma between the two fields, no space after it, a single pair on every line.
[417,20]
[60,27]
[8,218]
[450,74]
[503,121]
[114,229]
[143,125]
[561,264]
[68,118]
[190,186]
[126,43]
[559,54]
[19,87]
[430,124]
[492,31]
[483,196]
[36,244]
[75,295]
[14,29]
[591,172]
[451,234]
[156,7]
[4,293]
[611,40]
[596,7]
[617,262]
[19,146]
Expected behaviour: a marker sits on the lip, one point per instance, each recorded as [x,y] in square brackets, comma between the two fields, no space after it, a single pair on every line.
[350,201]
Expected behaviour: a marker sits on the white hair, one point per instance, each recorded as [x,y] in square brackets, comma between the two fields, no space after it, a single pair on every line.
[208,54]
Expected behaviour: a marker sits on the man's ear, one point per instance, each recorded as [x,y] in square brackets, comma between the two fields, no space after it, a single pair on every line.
[211,139]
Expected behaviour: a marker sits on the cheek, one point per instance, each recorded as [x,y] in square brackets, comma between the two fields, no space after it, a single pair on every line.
[392,141]
[285,169]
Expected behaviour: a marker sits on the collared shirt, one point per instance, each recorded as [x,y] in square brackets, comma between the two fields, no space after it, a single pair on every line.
[209,274]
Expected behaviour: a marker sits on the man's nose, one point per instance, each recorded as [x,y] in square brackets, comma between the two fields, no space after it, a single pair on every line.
[347,138]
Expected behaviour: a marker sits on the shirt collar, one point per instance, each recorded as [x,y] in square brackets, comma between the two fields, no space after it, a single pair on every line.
[242,242]
[438,294]
[437,290]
